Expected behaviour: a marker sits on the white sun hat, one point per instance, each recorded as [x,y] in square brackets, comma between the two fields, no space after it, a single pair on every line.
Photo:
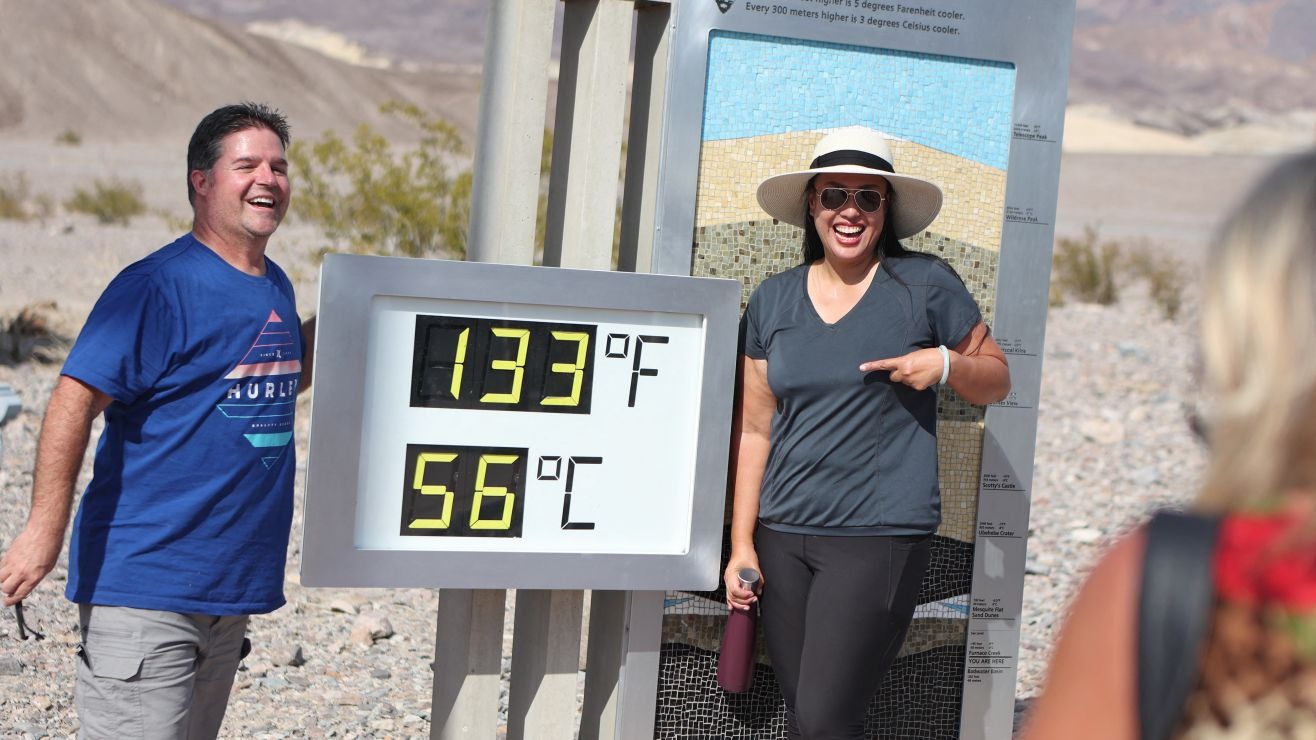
[860,151]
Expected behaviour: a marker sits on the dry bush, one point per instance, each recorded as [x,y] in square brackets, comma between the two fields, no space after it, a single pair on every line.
[19,203]
[1089,270]
[1166,278]
[113,202]
[36,333]
[14,193]
[1083,269]
[374,197]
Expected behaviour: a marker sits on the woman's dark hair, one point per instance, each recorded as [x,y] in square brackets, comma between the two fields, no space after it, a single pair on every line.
[205,147]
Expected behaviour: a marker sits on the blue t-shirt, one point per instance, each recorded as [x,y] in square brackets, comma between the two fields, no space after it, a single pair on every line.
[190,501]
[853,453]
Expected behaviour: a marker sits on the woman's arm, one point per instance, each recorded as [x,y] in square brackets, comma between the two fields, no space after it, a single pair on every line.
[1092,682]
[750,438]
[978,370]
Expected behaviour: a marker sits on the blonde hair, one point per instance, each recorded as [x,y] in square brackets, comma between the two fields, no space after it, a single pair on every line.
[1259,343]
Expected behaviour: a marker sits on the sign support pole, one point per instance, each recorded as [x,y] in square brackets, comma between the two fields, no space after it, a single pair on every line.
[468,650]
[468,644]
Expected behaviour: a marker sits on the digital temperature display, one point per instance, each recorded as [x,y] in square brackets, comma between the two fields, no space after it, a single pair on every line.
[500,426]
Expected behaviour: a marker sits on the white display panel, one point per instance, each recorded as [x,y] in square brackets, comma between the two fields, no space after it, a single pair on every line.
[496,426]
[606,481]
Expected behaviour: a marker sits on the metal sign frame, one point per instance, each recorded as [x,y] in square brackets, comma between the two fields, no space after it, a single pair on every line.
[1034,36]
[349,284]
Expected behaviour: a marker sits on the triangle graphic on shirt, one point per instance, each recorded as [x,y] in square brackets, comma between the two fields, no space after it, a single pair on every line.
[272,353]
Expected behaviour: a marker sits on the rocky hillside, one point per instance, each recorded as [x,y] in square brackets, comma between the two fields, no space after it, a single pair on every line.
[1192,65]
[136,70]
[448,31]
[140,69]
[1184,66]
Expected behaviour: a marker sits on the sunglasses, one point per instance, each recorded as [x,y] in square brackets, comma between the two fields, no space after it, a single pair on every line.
[834,199]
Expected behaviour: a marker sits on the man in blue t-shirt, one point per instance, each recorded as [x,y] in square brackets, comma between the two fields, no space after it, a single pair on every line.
[195,355]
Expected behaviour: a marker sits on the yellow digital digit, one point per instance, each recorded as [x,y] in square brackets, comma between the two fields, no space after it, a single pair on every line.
[481,491]
[459,362]
[577,368]
[418,483]
[516,367]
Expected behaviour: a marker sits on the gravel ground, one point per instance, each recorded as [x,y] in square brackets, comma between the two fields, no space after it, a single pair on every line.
[1112,445]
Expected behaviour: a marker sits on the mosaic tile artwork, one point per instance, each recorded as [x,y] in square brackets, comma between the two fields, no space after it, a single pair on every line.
[691,705]
[948,120]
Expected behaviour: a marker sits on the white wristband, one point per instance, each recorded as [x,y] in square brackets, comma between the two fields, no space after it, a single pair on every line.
[945,363]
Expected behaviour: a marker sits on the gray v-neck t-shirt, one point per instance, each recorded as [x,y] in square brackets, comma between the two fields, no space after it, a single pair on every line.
[853,453]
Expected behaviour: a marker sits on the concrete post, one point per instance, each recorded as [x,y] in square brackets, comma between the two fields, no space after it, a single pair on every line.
[648,93]
[513,102]
[587,135]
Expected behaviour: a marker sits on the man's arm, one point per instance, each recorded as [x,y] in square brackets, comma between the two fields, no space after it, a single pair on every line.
[64,434]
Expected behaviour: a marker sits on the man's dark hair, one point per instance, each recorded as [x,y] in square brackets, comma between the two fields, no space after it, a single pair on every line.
[204,148]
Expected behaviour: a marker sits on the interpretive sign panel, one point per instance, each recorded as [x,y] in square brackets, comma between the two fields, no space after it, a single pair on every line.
[971,95]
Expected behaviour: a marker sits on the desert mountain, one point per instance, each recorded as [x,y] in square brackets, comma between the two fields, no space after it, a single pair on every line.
[445,31]
[1181,65]
[135,70]
[1193,65]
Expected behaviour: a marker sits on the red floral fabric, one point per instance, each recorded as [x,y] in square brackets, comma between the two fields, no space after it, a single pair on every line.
[1261,559]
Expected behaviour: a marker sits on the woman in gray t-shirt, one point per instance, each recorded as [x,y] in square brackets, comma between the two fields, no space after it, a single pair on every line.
[835,489]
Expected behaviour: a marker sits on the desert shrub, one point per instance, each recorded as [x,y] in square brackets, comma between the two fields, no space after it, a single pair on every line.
[43,205]
[19,203]
[114,202]
[14,193]
[69,137]
[175,222]
[371,196]
[35,333]
[1165,276]
[1090,270]
[1084,268]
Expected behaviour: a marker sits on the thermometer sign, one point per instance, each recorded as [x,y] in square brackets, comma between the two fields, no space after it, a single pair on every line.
[485,426]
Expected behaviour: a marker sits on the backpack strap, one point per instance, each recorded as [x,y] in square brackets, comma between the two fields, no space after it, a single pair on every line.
[1174,613]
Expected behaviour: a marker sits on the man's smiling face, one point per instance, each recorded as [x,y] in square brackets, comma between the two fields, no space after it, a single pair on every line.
[245,195]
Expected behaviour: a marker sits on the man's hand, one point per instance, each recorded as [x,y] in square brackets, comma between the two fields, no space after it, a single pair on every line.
[64,434]
[32,555]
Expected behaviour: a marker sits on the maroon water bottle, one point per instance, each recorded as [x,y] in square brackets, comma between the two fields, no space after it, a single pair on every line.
[735,662]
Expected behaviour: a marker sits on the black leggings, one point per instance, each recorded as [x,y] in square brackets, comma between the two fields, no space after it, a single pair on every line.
[834,612]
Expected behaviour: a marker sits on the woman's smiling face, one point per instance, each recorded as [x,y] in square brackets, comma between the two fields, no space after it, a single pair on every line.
[848,232]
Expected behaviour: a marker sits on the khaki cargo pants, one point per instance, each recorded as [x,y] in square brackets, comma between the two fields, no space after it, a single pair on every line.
[154,674]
